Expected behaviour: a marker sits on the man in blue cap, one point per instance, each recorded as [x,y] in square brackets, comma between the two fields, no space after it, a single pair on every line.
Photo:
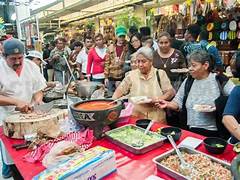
[115,59]
[21,85]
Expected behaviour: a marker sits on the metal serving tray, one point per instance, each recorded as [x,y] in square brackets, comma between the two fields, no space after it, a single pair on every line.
[177,175]
[135,150]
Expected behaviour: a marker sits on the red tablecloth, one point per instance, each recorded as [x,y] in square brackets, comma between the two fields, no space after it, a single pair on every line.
[129,166]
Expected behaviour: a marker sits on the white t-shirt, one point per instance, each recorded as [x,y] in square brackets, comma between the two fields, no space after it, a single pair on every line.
[82,58]
[101,52]
[21,87]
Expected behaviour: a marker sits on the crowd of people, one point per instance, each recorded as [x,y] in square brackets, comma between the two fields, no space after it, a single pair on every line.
[175,75]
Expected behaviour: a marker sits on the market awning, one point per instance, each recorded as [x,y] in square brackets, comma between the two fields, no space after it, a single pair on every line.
[107,9]
[74,7]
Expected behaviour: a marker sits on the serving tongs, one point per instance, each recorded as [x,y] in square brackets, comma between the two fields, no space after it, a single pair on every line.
[185,168]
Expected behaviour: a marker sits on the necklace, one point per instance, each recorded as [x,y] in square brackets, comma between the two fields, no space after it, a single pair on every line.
[165,64]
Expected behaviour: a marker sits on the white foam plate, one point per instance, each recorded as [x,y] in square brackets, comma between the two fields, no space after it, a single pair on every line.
[183,70]
[190,142]
[204,108]
[140,100]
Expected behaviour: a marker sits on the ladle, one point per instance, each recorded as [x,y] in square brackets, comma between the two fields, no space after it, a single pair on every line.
[140,142]
[118,99]
[185,168]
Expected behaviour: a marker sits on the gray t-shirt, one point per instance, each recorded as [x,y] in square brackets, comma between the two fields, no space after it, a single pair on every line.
[202,92]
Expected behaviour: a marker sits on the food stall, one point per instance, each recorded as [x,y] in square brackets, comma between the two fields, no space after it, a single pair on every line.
[129,165]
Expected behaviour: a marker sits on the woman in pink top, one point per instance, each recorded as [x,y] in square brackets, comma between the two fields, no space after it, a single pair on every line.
[96,58]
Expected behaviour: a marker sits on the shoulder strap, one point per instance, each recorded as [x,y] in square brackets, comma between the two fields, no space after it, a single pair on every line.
[221,81]
[158,79]
[187,88]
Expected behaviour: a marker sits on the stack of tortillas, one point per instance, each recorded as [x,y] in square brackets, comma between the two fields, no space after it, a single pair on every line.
[17,125]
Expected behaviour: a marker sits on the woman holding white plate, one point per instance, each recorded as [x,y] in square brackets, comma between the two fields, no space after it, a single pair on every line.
[144,86]
[200,102]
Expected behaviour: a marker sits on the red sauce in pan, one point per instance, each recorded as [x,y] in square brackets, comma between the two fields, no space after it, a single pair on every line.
[95,105]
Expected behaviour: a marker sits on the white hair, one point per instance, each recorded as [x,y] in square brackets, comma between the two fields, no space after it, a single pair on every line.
[146,52]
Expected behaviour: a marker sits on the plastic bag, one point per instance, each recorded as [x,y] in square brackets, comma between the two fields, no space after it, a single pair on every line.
[127,111]
[60,152]
[99,93]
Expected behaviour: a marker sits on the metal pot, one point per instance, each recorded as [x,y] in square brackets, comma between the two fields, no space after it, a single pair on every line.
[52,95]
[235,165]
[97,119]
[85,89]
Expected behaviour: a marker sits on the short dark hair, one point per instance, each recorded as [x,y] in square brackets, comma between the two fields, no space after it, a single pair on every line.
[202,57]
[60,39]
[137,35]
[203,35]
[98,35]
[133,29]
[78,43]
[166,34]
[171,29]
[194,30]
[87,37]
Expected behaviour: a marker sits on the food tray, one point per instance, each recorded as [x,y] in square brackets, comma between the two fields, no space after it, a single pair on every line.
[136,150]
[175,174]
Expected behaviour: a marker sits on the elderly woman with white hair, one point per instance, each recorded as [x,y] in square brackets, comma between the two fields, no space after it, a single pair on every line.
[146,81]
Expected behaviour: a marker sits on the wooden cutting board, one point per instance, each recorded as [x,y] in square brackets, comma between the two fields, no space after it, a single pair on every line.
[17,124]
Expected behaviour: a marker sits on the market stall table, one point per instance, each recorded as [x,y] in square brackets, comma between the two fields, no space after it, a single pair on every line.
[129,166]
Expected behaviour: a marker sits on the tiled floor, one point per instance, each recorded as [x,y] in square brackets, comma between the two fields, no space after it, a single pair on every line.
[1,178]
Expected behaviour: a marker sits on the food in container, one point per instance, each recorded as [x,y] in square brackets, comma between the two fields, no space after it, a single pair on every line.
[133,139]
[205,166]
[143,123]
[96,114]
[173,131]
[96,106]
[215,145]
[236,147]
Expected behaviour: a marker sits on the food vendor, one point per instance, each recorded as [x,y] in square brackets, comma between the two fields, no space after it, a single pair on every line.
[21,84]
[146,81]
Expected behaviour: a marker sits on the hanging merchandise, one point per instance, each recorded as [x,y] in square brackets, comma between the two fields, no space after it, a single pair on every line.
[210,26]
[216,35]
[210,36]
[224,25]
[238,34]
[231,35]
[223,35]
[188,2]
[206,9]
[233,25]
[217,25]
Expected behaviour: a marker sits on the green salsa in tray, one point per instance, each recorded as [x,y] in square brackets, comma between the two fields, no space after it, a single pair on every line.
[133,139]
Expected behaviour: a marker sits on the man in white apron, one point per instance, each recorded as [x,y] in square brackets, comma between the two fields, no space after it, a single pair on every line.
[21,85]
